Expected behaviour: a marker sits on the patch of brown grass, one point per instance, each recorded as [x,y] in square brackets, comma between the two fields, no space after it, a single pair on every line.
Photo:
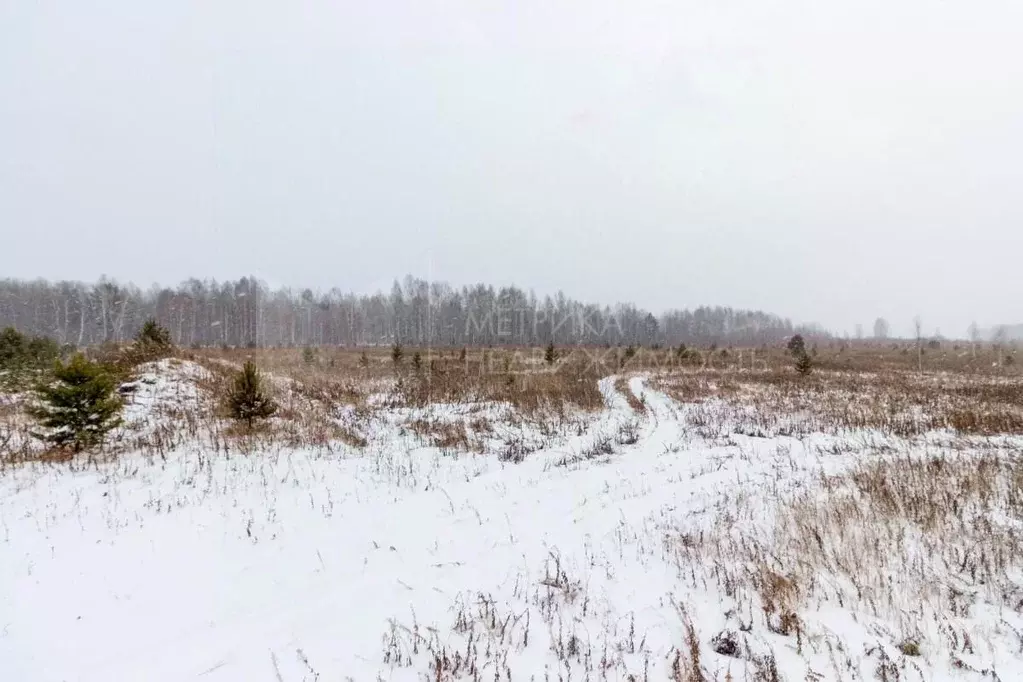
[529,390]
[779,402]
[448,436]
[622,386]
[974,421]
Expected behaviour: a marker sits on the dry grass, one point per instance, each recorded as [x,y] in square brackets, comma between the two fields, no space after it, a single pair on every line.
[622,386]
[837,355]
[779,402]
[931,543]
[450,437]
[511,378]
[510,375]
[885,520]
[487,635]
[329,399]
[329,396]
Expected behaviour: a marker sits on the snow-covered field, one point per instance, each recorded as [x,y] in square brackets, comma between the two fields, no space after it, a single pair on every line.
[632,548]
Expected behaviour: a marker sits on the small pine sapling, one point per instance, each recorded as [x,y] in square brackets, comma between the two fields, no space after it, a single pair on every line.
[79,406]
[550,356]
[248,400]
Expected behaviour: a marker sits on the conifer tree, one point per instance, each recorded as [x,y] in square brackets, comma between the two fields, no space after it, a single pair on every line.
[248,400]
[41,351]
[550,355]
[797,346]
[397,353]
[13,347]
[18,351]
[804,365]
[630,352]
[153,335]
[79,406]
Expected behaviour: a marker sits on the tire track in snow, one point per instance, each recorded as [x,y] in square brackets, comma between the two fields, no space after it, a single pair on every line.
[664,427]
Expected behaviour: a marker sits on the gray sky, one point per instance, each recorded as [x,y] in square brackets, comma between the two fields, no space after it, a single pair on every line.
[830,161]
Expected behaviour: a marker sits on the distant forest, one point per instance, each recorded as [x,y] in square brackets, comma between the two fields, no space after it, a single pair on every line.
[416,312]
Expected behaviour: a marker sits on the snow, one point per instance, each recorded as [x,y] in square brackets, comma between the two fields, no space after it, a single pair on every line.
[305,565]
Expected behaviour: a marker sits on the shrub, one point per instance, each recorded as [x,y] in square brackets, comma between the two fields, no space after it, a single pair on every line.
[248,400]
[79,406]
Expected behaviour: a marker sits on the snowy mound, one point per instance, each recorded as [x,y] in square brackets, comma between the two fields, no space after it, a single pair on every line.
[163,386]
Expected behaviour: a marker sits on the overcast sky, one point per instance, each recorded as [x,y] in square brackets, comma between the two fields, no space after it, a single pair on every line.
[829,161]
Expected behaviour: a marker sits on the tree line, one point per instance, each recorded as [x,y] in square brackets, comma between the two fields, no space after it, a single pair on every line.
[247,312]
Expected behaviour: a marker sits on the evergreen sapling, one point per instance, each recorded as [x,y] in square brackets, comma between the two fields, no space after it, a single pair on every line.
[248,400]
[79,407]
[550,355]
[153,335]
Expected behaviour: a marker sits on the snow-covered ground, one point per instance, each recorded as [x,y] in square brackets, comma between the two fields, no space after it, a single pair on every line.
[624,551]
